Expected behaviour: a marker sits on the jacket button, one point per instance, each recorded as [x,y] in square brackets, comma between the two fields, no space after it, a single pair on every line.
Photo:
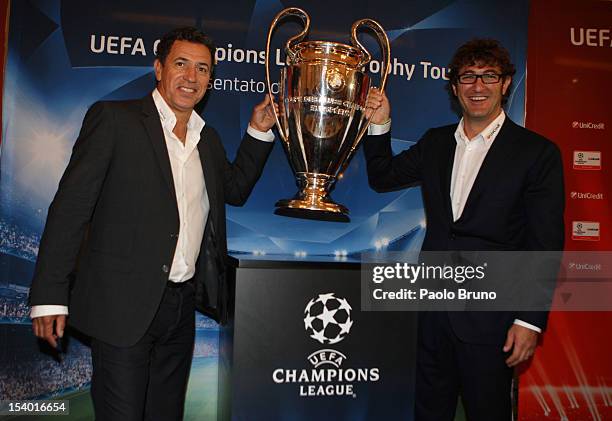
[165,268]
[451,236]
[173,235]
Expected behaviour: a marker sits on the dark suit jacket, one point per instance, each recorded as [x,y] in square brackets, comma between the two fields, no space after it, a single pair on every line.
[516,203]
[118,191]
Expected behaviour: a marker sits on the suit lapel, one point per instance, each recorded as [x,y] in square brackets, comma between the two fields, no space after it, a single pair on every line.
[156,136]
[499,154]
[209,171]
[447,158]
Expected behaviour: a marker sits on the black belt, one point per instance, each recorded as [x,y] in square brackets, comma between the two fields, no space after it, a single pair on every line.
[171,284]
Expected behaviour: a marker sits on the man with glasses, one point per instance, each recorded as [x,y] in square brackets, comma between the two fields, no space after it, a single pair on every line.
[488,184]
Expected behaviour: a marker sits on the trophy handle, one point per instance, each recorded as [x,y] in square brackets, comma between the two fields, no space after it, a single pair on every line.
[386,50]
[289,50]
[384,43]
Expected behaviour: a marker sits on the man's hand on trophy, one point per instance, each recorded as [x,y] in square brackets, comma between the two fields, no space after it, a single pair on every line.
[377,106]
[262,118]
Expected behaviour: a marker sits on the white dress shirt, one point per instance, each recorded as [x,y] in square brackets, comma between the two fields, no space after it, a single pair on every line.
[191,196]
[469,156]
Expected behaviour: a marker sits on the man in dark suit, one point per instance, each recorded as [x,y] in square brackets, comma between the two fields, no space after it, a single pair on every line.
[487,184]
[146,185]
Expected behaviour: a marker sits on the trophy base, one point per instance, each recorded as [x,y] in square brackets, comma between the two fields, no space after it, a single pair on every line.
[304,209]
[312,200]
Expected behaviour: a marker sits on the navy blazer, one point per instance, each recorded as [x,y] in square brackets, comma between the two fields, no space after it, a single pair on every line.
[516,203]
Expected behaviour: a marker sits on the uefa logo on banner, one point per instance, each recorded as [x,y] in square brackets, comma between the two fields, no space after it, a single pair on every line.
[585,231]
[587,160]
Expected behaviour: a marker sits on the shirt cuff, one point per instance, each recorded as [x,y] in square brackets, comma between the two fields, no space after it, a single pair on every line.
[378,129]
[48,310]
[527,325]
[263,136]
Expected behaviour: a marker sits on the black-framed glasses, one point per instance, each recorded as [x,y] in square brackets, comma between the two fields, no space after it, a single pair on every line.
[487,78]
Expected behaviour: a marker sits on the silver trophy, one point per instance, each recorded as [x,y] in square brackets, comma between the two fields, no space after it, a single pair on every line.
[322,97]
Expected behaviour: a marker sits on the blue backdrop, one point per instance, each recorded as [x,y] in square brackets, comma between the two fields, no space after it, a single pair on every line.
[65,55]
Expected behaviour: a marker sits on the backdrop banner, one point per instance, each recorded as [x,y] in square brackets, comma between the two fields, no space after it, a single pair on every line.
[65,55]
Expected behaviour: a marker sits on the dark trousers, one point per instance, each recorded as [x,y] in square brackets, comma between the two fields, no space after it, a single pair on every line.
[447,367]
[148,381]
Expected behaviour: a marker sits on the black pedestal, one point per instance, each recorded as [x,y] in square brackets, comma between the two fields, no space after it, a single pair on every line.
[300,348]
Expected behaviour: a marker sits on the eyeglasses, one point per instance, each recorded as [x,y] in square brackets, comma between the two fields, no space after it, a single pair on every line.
[487,78]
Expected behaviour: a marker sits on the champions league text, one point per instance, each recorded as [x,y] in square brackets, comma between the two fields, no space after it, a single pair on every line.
[326,382]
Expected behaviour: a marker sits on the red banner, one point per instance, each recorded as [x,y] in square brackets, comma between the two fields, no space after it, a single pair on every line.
[569,82]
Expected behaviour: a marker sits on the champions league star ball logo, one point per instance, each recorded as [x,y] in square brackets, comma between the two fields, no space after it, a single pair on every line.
[327,318]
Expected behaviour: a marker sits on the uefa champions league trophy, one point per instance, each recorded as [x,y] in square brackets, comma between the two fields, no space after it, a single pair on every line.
[322,98]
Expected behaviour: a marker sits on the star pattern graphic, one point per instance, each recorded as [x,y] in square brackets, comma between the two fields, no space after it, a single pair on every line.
[327,316]
[319,336]
[308,322]
[310,303]
[344,304]
[324,297]
[345,327]
[322,311]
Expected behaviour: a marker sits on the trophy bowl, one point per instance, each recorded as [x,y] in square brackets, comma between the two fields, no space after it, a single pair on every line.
[322,97]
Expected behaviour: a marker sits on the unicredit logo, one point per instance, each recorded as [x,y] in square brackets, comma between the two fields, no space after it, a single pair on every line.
[587,196]
[588,125]
[585,266]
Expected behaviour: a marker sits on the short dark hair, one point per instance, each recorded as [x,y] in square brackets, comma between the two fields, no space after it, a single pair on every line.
[485,52]
[186,33]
